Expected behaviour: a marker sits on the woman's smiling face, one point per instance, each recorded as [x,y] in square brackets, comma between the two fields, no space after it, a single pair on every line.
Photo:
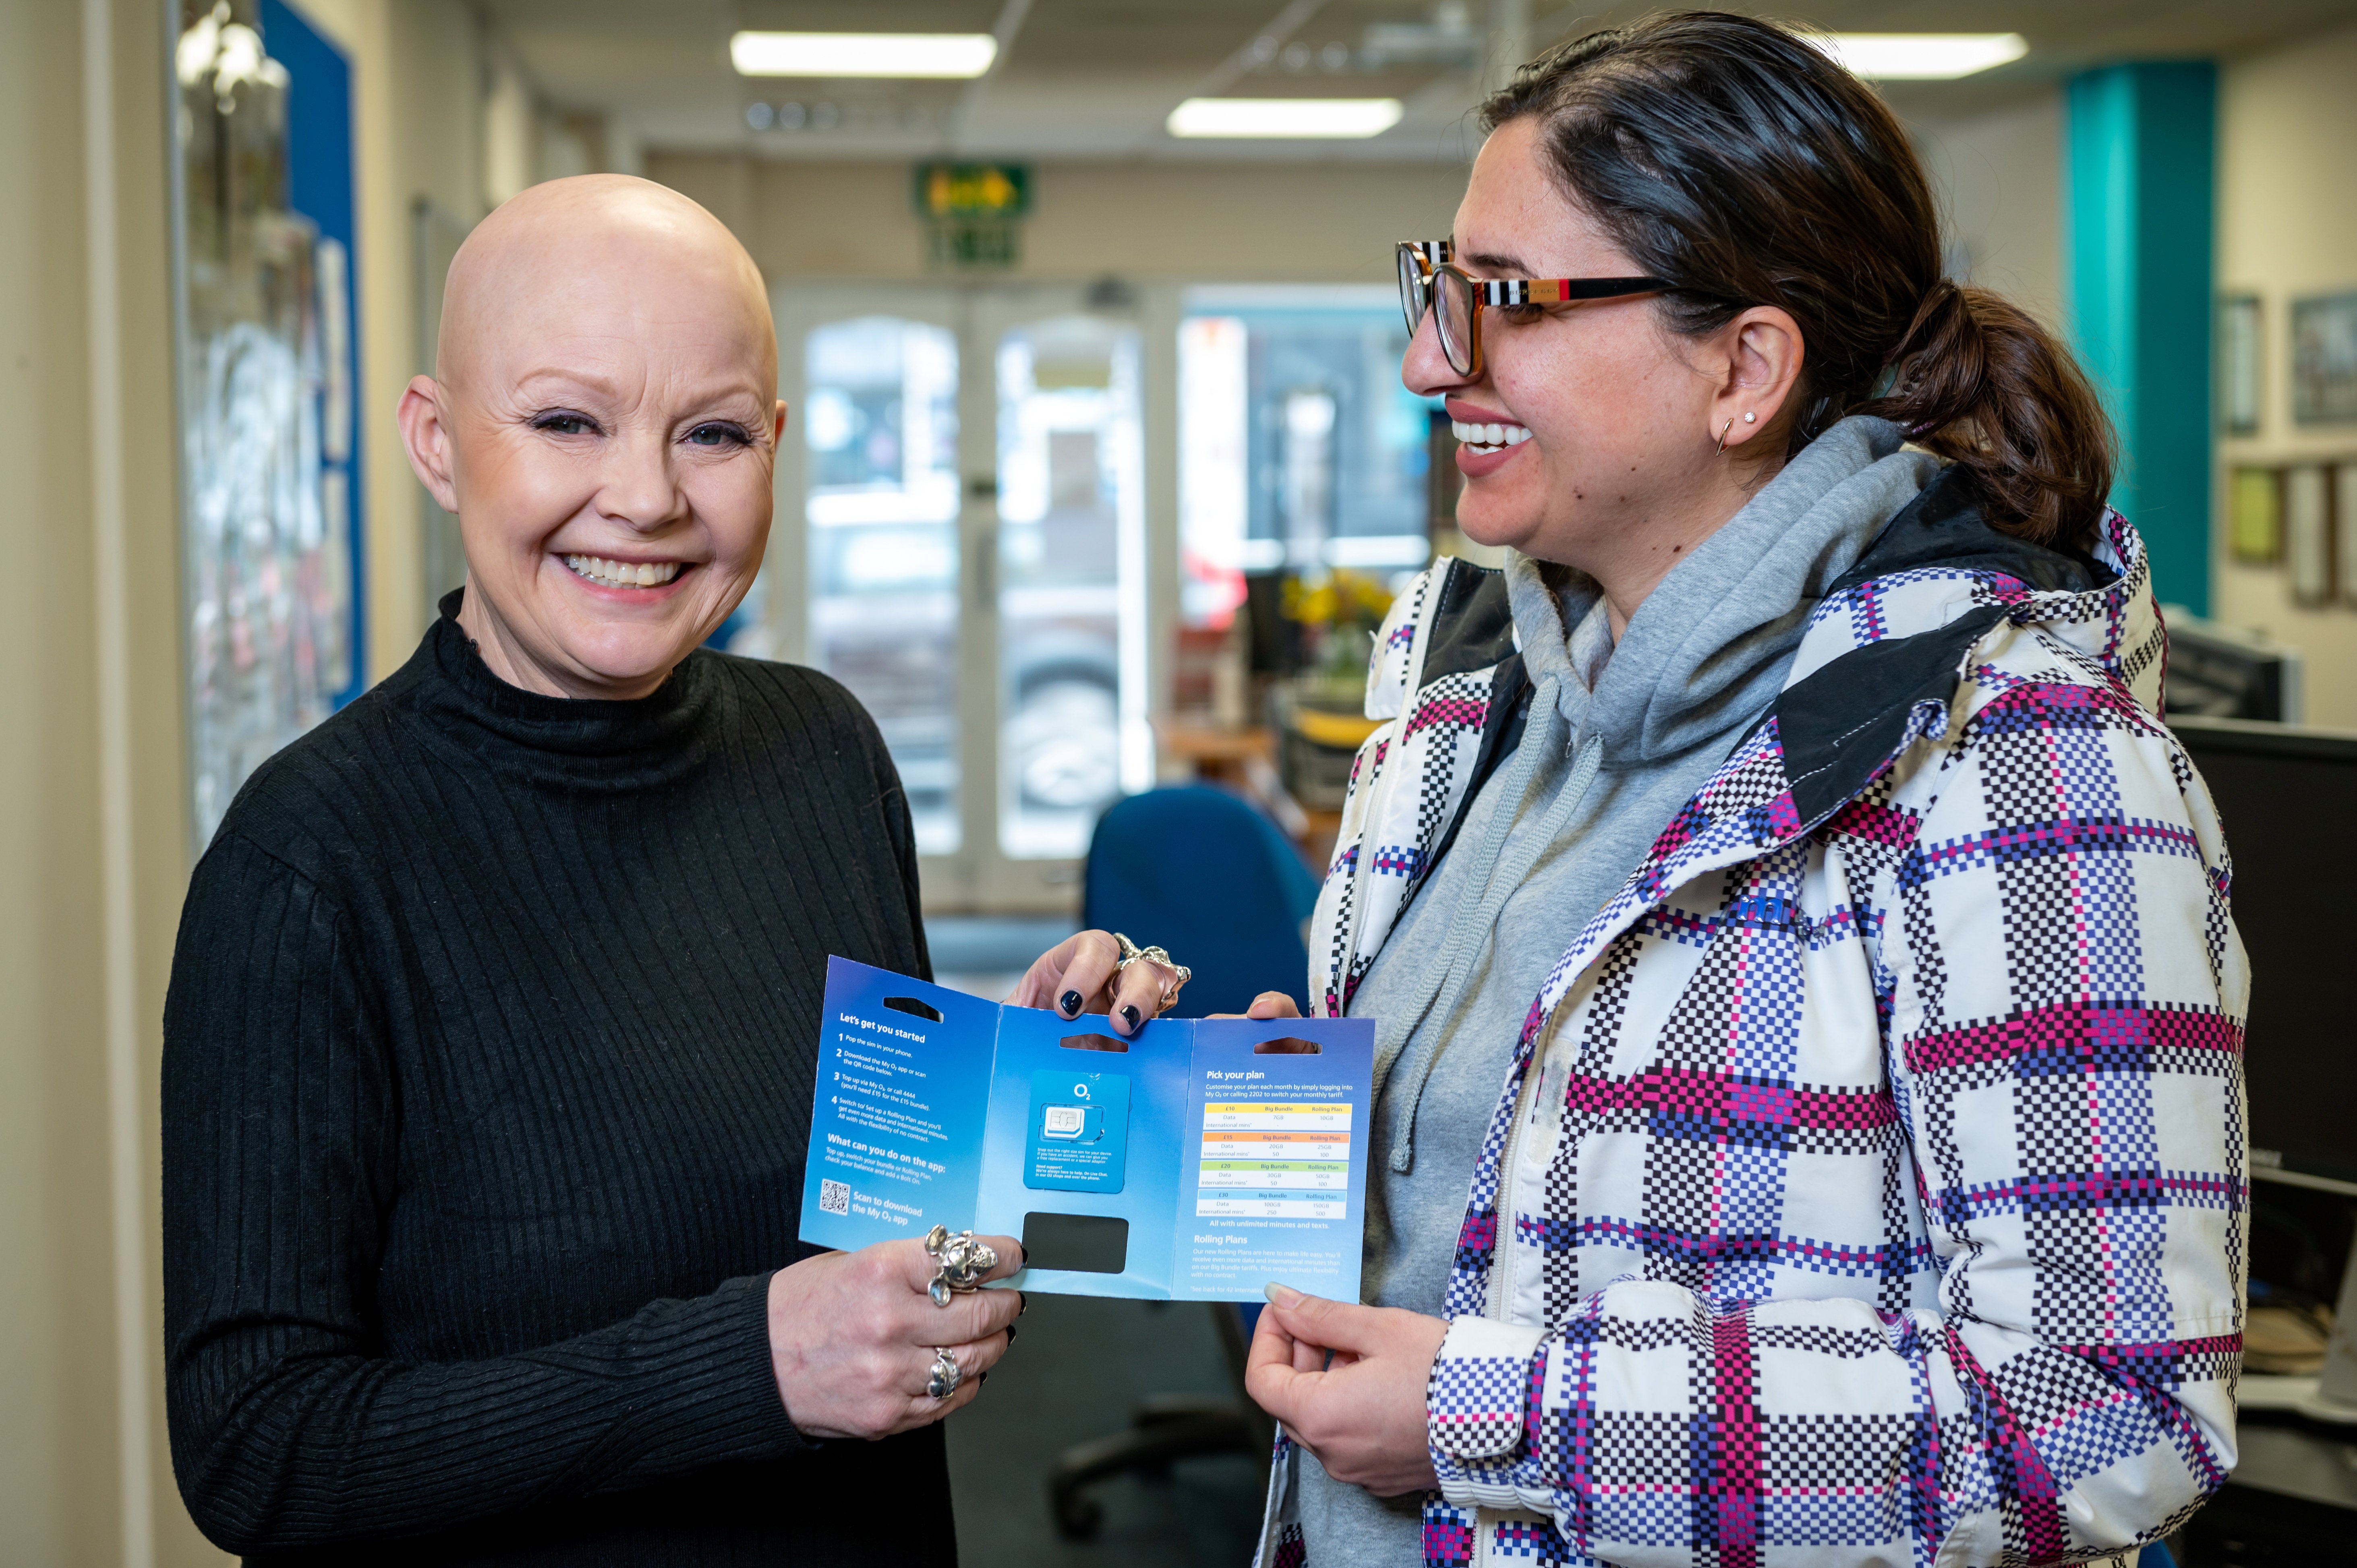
[606,432]
[1608,462]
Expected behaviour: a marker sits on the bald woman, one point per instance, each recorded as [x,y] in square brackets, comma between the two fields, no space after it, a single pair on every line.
[490,1042]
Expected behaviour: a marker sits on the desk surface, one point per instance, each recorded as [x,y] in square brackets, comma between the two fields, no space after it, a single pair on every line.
[1202,743]
[2296,1460]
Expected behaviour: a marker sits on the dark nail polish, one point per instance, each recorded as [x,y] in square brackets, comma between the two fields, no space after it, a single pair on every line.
[1071,1004]
[1130,1012]
[1023,1304]
[1010,1334]
[983,1378]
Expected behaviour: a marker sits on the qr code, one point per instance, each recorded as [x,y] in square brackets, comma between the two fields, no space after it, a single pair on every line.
[834,1197]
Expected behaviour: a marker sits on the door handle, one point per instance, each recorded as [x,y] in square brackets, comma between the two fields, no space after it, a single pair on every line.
[986,569]
[983,490]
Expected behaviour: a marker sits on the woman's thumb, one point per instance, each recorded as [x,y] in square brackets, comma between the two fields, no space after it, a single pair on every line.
[1314,1318]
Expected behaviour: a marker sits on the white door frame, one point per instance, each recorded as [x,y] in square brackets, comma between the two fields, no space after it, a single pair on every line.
[978,877]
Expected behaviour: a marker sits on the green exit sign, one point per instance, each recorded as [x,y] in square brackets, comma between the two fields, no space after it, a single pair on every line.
[973,190]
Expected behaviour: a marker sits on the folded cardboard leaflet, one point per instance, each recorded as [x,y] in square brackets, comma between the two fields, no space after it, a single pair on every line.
[1195,1160]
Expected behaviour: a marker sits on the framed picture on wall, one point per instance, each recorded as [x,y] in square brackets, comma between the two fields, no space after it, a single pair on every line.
[2255,516]
[2239,372]
[2308,533]
[2324,359]
[2344,529]
[273,537]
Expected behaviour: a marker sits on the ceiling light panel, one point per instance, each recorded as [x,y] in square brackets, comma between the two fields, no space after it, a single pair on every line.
[1922,57]
[1284,119]
[863,54]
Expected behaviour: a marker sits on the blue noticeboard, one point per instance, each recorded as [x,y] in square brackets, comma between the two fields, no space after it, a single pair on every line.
[1189,1163]
[319,185]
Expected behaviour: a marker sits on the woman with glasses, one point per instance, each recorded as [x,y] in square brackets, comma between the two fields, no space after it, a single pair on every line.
[1789,828]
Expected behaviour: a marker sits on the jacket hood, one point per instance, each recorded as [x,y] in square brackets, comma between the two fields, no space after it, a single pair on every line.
[1883,652]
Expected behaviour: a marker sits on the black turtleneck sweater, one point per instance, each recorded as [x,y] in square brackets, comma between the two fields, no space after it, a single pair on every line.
[487,1069]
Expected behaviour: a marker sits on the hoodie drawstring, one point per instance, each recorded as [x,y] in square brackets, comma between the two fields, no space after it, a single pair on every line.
[1497,882]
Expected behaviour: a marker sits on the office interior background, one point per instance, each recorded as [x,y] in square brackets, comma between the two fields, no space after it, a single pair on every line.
[1099,471]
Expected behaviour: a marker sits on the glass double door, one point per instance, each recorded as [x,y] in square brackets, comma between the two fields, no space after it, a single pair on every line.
[968,467]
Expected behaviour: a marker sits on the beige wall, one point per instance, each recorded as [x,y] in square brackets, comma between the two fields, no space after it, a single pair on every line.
[2000,180]
[417,74]
[1143,221]
[93,818]
[93,847]
[1294,224]
[2288,229]
[58,1455]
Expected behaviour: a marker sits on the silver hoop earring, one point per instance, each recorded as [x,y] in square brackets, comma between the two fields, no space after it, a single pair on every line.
[1722,437]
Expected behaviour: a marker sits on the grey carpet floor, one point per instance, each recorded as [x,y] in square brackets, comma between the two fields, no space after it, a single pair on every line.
[1079,1367]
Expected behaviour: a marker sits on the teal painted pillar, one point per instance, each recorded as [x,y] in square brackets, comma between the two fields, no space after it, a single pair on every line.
[2139,196]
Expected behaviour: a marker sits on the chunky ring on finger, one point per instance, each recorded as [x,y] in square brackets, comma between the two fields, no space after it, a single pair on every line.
[946,1375]
[959,1263]
[1179,975]
[1161,957]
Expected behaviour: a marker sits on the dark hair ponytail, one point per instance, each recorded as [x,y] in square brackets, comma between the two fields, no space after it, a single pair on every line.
[1741,163]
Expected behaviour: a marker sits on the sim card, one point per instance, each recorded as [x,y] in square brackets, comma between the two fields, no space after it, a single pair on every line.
[1065,1122]
[1080,1131]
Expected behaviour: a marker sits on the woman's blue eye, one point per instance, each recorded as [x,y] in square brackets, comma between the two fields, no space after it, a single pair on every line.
[717,435]
[565,423]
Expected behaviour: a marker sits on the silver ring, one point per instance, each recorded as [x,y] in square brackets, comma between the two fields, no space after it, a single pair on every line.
[1180,974]
[959,1263]
[946,1375]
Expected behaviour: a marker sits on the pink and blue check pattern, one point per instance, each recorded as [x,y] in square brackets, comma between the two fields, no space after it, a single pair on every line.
[1868,1187]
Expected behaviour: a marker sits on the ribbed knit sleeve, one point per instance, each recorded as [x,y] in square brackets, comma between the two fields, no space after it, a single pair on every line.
[487,1067]
[289,1424]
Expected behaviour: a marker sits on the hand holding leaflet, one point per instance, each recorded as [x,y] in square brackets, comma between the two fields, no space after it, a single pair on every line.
[1195,1161]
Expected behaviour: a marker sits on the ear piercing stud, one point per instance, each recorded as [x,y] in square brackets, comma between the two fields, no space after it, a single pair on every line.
[1749,416]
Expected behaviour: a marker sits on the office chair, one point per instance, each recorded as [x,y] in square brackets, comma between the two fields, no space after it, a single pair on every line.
[1165,1428]
[1204,874]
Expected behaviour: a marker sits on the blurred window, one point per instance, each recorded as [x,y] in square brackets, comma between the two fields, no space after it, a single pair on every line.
[1071,603]
[1299,447]
[880,420]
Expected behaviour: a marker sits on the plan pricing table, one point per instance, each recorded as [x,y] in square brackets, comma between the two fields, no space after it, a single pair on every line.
[1279,1159]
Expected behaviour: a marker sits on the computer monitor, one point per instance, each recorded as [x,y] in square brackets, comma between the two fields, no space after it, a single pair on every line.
[2227,673]
[2288,798]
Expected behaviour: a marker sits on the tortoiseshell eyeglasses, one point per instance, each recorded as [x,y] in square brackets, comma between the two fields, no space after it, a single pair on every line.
[1429,281]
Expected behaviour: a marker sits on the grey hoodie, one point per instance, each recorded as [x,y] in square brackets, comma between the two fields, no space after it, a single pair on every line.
[1617,737]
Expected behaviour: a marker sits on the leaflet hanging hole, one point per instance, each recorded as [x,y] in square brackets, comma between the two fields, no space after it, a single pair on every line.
[914,1008]
[1287,1046]
[1095,1043]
